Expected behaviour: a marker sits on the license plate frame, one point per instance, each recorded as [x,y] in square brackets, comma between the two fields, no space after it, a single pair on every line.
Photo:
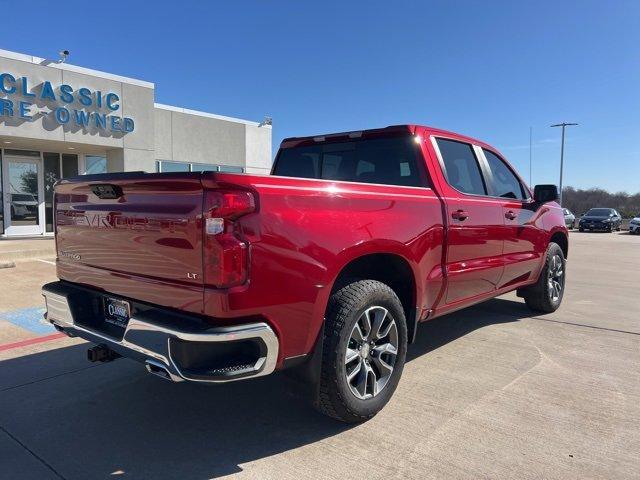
[117,311]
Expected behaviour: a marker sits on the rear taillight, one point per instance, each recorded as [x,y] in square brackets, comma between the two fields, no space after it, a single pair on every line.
[226,254]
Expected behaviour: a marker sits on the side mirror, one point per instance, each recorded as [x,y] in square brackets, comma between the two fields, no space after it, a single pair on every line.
[545,193]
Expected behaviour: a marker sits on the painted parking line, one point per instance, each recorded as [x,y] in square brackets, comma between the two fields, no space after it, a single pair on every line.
[31,341]
[46,261]
[31,319]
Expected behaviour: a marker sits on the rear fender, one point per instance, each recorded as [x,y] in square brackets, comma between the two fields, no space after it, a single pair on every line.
[343,259]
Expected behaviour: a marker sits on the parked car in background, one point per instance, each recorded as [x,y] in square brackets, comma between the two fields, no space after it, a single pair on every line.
[569,218]
[605,219]
[23,205]
[634,225]
[328,265]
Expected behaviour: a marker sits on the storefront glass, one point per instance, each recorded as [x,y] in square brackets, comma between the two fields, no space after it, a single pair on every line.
[69,165]
[1,199]
[51,176]
[94,164]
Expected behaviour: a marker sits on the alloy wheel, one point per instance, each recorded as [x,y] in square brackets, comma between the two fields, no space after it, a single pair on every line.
[556,278]
[371,352]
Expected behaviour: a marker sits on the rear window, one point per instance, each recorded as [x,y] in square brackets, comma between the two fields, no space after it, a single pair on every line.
[389,161]
[600,212]
[22,197]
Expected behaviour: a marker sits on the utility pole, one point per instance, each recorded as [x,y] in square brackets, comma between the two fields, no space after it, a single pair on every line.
[563,125]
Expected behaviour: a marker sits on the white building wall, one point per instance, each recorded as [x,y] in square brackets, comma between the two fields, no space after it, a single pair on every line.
[258,149]
[161,132]
[190,136]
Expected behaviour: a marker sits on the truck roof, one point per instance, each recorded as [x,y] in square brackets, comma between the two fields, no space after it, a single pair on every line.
[376,132]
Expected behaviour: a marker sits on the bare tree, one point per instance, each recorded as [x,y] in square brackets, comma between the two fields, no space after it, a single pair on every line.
[579,201]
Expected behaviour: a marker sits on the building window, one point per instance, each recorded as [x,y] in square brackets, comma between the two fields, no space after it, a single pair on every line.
[164,166]
[203,167]
[94,164]
[230,169]
[69,165]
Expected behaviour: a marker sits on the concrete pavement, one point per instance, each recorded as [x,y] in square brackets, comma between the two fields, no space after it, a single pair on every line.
[26,249]
[488,392]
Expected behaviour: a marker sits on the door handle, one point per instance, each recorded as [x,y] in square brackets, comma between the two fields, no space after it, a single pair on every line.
[460,215]
[511,215]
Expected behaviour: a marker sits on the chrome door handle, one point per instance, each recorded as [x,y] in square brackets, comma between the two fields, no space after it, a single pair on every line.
[511,215]
[460,215]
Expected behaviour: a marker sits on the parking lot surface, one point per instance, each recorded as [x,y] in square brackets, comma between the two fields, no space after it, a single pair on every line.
[488,392]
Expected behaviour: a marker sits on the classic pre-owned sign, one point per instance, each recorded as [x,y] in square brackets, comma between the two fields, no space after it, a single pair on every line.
[64,105]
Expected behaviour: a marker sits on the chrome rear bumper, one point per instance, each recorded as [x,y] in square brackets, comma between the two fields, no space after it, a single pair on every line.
[155,344]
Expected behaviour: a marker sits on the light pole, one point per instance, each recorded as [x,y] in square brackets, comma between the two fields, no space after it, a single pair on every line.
[563,125]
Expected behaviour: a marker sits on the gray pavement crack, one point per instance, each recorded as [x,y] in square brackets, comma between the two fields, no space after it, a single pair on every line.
[627,332]
[47,378]
[33,454]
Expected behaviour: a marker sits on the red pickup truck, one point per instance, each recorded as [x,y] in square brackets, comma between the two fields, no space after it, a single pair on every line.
[327,265]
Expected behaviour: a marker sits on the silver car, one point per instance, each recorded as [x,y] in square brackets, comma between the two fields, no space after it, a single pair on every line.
[634,225]
[23,205]
[569,218]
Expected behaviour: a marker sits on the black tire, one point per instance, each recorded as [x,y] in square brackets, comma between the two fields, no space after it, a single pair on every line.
[347,306]
[540,297]
[581,229]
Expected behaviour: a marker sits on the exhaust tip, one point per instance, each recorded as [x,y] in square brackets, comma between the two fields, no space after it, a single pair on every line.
[156,368]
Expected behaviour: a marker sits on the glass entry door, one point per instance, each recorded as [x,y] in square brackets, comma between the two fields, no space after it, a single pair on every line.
[23,195]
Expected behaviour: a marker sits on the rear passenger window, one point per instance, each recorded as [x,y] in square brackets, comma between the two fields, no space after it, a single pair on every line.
[504,182]
[461,167]
[300,162]
[387,161]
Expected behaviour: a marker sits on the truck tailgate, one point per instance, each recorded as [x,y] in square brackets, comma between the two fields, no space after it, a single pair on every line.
[134,235]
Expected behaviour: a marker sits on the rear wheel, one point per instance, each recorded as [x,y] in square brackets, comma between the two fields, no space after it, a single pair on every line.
[546,294]
[364,350]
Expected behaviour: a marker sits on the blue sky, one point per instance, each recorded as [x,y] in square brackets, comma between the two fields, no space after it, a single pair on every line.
[489,69]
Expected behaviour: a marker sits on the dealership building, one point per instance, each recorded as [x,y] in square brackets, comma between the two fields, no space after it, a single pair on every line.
[58,120]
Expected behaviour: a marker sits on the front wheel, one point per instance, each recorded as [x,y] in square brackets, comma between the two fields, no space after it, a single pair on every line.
[364,350]
[546,294]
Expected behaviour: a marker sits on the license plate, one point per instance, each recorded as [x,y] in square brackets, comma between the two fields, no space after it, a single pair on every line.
[116,311]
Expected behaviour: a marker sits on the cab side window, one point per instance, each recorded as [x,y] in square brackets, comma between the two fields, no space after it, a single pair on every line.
[461,167]
[504,182]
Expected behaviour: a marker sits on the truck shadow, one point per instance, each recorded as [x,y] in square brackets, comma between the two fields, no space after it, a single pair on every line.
[438,332]
[94,421]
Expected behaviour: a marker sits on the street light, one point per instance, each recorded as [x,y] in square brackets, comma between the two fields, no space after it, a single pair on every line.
[563,125]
